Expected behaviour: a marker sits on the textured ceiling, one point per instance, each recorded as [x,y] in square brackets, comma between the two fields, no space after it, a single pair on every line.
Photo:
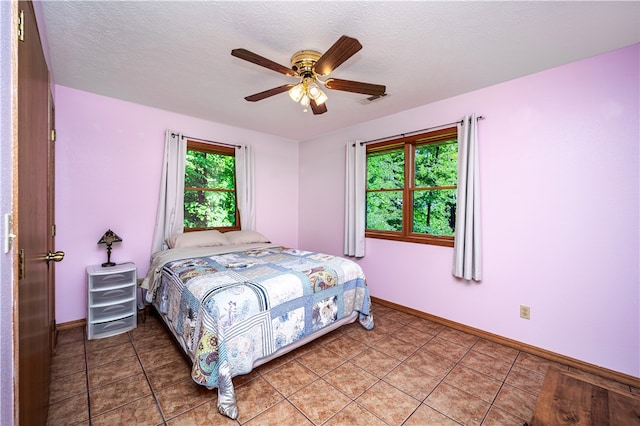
[175,55]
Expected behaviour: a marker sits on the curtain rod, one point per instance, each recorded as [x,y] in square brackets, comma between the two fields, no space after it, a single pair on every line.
[481,117]
[206,141]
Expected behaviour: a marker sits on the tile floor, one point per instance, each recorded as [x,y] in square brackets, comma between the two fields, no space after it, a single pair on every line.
[407,371]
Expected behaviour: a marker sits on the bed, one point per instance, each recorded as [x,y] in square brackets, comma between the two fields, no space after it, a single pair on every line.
[234,301]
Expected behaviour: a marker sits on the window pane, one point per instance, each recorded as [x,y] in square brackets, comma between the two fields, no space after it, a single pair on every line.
[384,211]
[385,170]
[436,165]
[207,170]
[208,209]
[434,212]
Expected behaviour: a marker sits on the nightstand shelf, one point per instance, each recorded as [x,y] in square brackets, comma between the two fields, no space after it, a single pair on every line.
[111,300]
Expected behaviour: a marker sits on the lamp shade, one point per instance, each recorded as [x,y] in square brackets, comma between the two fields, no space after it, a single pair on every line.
[305,100]
[321,97]
[314,91]
[109,238]
[296,92]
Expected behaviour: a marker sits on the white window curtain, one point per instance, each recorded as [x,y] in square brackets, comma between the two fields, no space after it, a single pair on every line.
[245,187]
[170,214]
[467,257]
[355,203]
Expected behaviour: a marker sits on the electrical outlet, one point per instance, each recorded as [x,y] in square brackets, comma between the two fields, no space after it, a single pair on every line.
[525,312]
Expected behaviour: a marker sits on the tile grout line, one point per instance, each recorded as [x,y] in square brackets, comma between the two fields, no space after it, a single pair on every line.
[86,372]
[144,371]
[504,381]
[443,377]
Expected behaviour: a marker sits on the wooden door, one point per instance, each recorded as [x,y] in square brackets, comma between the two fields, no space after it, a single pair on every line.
[34,353]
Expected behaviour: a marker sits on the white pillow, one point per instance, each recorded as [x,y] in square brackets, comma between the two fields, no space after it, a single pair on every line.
[197,239]
[245,237]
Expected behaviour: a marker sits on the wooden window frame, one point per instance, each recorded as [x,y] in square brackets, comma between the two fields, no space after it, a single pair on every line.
[409,143]
[212,148]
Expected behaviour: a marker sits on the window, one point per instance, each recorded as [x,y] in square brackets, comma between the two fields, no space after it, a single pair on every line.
[411,188]
[210,188]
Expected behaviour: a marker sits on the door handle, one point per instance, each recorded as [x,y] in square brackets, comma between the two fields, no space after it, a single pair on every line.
[56,257]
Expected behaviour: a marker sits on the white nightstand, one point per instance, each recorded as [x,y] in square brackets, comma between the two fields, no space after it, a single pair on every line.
[111,300]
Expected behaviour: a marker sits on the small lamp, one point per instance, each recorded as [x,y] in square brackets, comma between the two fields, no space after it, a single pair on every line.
[109,238]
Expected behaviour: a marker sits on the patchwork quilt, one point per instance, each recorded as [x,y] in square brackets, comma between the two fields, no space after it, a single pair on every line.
[229,310]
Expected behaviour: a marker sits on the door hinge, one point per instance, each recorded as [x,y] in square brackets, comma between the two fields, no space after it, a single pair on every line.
[21,264]
[21,25]
[53,230]
[9,236]
[53,135]
[53,325]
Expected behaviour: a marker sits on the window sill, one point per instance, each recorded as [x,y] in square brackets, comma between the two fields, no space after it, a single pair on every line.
[420,239]
[219,228]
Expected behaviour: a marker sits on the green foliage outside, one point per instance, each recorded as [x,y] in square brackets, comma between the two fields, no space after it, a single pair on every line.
[213,203]
[434,209]
[385,170]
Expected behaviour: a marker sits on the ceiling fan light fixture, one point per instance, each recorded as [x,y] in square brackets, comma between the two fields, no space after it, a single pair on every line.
[314,90]
[296,92]
[306,91]
[305,100]
[321,97]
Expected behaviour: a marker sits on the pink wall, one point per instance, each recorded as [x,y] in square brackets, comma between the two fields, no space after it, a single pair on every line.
[108,164]
[559,157]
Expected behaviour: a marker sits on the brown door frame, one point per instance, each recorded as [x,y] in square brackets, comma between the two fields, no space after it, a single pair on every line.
[51,223]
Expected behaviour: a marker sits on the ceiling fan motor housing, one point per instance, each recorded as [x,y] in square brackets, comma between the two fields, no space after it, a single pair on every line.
[303,61]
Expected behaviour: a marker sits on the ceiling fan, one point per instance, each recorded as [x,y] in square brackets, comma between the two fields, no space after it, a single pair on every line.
[307,66]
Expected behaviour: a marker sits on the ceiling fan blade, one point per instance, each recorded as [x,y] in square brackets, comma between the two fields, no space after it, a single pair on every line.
[318,109]
[262,61]
[341,50]
[267,93]
[355,87]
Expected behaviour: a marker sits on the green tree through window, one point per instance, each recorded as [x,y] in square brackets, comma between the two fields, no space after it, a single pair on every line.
[210,187]
[411,188]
